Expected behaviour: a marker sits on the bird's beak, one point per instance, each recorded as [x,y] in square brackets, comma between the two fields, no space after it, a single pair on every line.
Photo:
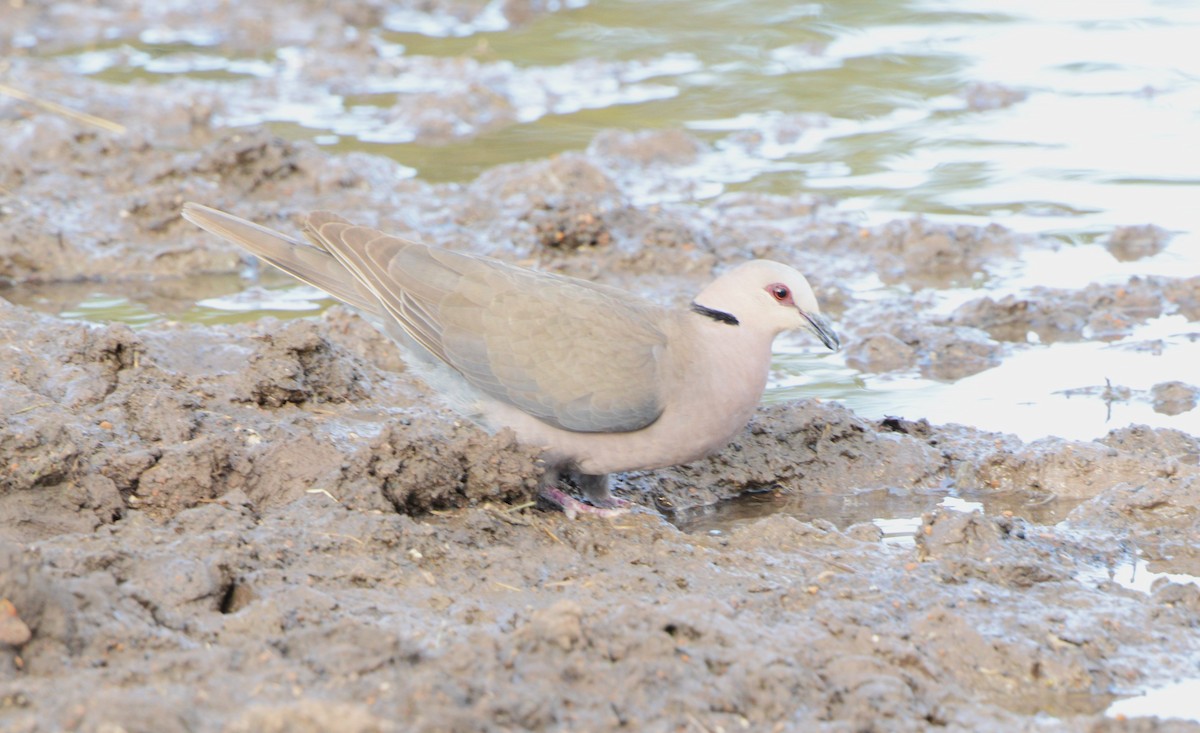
[820,326]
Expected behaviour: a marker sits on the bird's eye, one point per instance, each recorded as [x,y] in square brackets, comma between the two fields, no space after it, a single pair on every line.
[780,293]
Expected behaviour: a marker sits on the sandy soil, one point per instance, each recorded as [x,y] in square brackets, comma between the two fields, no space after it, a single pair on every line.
[273,527]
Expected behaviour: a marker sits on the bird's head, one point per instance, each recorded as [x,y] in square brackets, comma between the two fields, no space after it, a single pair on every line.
[768,296]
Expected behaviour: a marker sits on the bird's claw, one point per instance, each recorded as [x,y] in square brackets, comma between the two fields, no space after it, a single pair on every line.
[573,507]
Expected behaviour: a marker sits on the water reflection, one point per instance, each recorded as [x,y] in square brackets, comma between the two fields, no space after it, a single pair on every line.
[897,512]
[1176,700]
[208,299]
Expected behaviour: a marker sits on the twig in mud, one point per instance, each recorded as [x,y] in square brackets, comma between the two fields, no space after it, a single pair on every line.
[322,491]
[506,586]
[61,110]
[506,515]
[552,535]
[31,407]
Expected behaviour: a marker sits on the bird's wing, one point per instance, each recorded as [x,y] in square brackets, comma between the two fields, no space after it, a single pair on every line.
[576,355]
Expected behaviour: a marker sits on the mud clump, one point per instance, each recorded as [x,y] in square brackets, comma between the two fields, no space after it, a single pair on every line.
[932,255]
[135,203]
[938,352]
[956,353]
[881,352]
[299,366]
[970,545]
[804,447]
[1174,398]
[567,177]
[1102,312]
[464,468]
[101,420]
[1134,243]
[566,228]
[636,151]
[248,161]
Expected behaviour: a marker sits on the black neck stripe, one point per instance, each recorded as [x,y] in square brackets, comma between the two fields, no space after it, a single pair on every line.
[716,315]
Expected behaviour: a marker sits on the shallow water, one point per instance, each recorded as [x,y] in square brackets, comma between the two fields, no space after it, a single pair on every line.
[894,109]
[1038,391]
[211,299]
[896,513]
[1173,701]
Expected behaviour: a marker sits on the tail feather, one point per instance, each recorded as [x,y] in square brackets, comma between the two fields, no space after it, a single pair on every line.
[299,259]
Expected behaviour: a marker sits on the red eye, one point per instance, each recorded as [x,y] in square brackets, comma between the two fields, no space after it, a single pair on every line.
[780,292]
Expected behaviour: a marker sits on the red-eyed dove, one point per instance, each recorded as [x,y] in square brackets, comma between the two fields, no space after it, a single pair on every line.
[600,379]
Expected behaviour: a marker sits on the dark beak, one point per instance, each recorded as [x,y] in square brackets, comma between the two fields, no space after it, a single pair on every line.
[820,326]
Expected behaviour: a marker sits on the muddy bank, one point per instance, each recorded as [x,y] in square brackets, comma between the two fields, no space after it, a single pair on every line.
[380,622]
[109,419]
[199,545]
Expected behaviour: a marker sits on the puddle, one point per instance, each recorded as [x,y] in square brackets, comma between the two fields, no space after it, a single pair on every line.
[209,299]
[1134,575]
[897,513]
[1078,391]
[1178,700]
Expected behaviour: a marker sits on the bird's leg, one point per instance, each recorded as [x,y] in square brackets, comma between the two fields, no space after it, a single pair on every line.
[594,488]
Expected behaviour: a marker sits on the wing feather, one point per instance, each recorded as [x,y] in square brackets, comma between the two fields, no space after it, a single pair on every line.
[574,354]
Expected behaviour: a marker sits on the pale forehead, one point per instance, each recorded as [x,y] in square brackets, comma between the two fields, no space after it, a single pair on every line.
[770,271]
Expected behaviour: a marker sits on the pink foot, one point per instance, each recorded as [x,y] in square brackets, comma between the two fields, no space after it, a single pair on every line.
[573,507]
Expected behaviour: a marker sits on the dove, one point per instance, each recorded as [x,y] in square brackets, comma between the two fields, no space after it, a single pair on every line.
[599,379]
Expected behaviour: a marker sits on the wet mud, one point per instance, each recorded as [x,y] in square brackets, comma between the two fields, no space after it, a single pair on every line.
[273,526]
